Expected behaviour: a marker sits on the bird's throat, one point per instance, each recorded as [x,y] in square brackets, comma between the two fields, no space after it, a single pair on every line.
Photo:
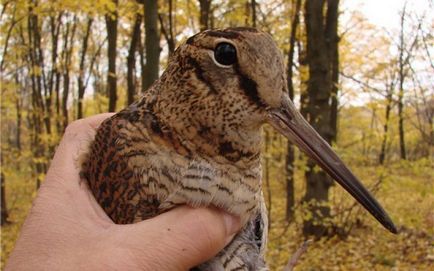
[235,145]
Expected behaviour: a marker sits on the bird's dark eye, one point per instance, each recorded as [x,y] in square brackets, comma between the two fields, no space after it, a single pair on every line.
[225,54]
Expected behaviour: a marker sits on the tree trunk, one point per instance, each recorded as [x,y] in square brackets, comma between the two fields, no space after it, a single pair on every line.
[402,76]
[142,59]
[382,155]
[112,35]
[68,49]
[54,78]
[205,10]
[152,43]
[37,100]
[36,60]
[332,40]
[253,5]
[290,155]
[56,74]
[6,37]
[18,107]
[168,31]
[4,209]
[318,108]
[81,85]
[131,59]
[57,92]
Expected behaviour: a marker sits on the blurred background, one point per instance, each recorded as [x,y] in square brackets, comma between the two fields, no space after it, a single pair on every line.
[360,71]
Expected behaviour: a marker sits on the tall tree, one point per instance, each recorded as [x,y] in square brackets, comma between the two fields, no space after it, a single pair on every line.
[67,62]
[406,46]
[55,75]
[4,209]
[332,40]
[131,58]
[402,75]
[152,43]
[318,107]
[205,12]
[81,83]
[19,115]
[290,155]
[38,116]
[253,5]
[390,82]
[111,19]
[168,29]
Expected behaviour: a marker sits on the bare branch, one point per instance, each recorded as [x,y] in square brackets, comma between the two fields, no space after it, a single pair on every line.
[294,259]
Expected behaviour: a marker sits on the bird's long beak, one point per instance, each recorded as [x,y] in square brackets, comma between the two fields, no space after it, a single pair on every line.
[288,121]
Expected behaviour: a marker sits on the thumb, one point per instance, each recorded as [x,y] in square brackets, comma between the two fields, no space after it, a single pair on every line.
[183,238]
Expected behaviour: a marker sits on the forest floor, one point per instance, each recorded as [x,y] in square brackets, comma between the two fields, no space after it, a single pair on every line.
[406,192]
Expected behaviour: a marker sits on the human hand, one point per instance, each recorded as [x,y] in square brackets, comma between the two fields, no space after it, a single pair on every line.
[66,229]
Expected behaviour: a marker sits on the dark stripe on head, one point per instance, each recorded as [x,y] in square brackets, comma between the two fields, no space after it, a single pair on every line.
[222,34]
[249,87]
[243,29]
[200,73]
[190,40]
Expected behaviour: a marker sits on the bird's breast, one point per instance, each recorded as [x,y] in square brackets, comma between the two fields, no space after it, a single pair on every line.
[137,170]
[198,181]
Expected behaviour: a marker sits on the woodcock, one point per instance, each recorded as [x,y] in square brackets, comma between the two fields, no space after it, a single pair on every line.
[195,138]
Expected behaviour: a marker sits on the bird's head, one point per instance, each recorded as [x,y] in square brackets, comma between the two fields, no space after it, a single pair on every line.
[227,83]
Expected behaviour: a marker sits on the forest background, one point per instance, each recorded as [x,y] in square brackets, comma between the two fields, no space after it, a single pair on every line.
[366,87]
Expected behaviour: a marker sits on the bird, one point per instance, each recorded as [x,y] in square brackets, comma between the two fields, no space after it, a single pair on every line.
[194,137]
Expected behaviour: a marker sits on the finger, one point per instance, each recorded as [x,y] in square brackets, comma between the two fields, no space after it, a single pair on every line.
[63,181]
[75,142]
[182,238]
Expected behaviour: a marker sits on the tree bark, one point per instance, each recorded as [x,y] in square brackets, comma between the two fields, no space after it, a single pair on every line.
[7,37]
[131,59]
[382,155]
[290,155]
[152,43]
[401,63]
[332,40]
[112,35]
[205,11]
[18,107]
[57,92]
[4,209]
[168,29]
[142,59]
[81,85]
[37,115]
[318,107]
[67,59]
[37,61]
[54,79]
[253,5]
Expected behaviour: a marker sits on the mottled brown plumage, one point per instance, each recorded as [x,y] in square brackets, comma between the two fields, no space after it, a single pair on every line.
[195,137]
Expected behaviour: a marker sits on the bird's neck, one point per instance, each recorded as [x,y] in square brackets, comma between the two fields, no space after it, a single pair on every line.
[193,134]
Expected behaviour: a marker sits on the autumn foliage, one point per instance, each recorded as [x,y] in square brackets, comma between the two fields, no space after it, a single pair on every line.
[63,60]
